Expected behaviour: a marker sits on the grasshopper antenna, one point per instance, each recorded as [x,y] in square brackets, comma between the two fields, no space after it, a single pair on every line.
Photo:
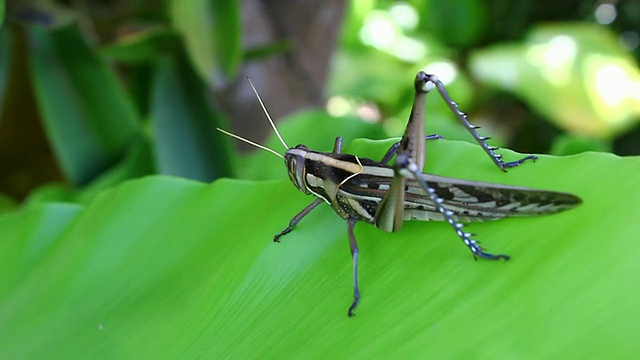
[250,142]
[273,125]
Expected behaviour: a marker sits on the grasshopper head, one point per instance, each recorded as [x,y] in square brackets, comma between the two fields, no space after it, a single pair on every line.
[294,158]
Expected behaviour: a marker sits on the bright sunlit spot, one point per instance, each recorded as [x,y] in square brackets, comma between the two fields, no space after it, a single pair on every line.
[404,15]
[378,30]
[561,50]
[339,106]
[605,14]
[556,59]
[409,49]
[614,86]
[446,71]
[384,31]
[368,112]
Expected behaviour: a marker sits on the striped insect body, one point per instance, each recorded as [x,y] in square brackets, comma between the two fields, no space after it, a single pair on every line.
[387,192]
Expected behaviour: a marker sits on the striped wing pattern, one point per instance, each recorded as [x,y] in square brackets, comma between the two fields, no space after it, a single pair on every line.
[469,200]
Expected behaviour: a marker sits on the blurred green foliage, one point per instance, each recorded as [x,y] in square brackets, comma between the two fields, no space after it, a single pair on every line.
[527,79]
[528,82]
[2,6]
[101,132]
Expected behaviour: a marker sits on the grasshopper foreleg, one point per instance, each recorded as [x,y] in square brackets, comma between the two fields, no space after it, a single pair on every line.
[296,219]
[337,149]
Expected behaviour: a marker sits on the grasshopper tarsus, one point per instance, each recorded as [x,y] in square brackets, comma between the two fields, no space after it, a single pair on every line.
[511,164]
[352,307]
[477,251]
[282,233]
[475,246]
[488,256]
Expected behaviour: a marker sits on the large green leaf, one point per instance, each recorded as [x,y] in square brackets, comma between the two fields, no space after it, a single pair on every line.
[165,267]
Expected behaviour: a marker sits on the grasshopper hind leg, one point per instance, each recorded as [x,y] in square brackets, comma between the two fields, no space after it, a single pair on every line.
[410,169]
[462,118]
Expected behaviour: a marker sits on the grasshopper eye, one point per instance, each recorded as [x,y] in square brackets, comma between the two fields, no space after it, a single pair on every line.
[295,169]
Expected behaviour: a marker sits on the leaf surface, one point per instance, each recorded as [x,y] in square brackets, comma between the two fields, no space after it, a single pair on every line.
[166,267]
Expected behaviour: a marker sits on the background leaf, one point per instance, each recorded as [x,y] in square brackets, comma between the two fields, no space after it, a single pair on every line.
[87,116]
[5,46]
[576,74]
[466,27]
[187,143]
[211,30]
[2,7]
[210,283]
[142,46]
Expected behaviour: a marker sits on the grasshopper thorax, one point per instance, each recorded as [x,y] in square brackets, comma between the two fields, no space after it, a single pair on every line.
[295,159]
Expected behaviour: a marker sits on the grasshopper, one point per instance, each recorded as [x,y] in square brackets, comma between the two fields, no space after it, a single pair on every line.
[385,194]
